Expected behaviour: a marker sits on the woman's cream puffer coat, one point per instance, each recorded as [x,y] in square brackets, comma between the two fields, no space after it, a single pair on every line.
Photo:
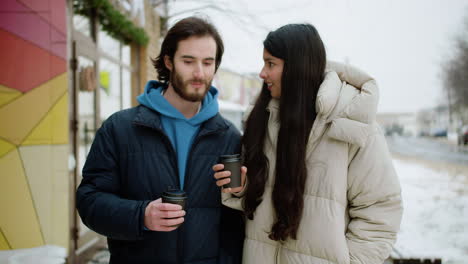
[352,202]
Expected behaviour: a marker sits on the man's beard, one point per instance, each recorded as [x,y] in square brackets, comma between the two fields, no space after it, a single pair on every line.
[180,87]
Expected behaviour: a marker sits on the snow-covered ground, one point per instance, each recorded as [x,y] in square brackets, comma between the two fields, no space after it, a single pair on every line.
[435,219]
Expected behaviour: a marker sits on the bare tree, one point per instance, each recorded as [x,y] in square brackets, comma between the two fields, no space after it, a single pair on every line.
[455,73]
[242,18]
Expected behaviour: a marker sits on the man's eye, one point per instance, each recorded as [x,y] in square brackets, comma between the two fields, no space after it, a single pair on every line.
[208,63]
[187,62]
[271,64]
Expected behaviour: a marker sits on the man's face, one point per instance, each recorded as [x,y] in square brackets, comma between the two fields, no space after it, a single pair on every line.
[193,67]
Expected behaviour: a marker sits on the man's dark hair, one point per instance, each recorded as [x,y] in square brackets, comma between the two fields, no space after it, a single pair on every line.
[182,30]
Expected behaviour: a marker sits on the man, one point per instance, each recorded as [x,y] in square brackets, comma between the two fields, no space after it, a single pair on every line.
[171,139]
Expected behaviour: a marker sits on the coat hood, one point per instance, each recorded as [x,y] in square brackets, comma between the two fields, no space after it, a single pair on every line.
[153,99]
[347,86]
[347,100]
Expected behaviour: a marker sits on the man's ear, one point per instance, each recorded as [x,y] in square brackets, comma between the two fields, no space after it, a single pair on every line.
[168,62]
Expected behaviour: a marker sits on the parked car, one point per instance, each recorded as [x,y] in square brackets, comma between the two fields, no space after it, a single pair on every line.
[440,133]
[463,136]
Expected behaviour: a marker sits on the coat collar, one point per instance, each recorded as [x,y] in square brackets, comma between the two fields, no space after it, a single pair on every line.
[152,119]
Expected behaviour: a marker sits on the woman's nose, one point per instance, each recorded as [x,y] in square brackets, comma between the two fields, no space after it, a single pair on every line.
[262,74]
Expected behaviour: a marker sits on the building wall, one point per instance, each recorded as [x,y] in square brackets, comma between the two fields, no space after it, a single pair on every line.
[152,28]
[406,121]
[142,55]
[237,88]
[34,124]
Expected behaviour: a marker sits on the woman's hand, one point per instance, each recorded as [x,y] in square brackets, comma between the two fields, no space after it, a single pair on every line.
[223,177]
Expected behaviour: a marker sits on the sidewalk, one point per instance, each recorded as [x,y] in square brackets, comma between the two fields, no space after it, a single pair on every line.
[448,142]
[101,257]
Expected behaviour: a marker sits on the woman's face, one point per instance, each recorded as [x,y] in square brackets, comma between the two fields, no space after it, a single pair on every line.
[271,73]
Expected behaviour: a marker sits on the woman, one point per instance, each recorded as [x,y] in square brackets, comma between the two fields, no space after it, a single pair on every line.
[321,187]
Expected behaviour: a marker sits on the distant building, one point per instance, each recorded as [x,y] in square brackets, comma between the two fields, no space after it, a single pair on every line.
[434,120]
[398,123]
[427,122]
[63,73]
[236,92]
[237,88]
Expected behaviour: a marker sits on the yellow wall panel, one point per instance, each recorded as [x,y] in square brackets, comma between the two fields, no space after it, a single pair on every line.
[5,147]
[5,89]
[53,129]
[30,109]
[7,95]
[18,218]
[3,242]
[61,196]
[47,173]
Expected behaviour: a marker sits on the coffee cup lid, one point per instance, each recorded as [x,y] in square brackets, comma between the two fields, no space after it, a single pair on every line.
[175,193]
[229,158]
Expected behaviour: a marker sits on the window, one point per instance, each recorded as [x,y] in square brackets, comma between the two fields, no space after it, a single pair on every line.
[114,75]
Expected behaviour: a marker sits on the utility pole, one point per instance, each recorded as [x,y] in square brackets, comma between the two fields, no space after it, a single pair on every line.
[166,17]
[452,134]
[449,106]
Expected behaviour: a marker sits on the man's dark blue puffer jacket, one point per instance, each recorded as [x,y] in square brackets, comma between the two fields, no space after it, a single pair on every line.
[130,164]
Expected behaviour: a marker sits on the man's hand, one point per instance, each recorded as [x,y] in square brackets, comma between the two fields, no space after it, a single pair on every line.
[222,177]
[163,216]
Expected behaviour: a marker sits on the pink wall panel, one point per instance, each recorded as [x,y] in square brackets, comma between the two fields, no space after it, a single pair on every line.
[28,26]
[58,43]
[32,27]
[12,6]
[39,6]
[58,15]
[25,65]
[53,11]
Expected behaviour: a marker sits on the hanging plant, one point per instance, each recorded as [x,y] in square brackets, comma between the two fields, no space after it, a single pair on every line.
[113,22]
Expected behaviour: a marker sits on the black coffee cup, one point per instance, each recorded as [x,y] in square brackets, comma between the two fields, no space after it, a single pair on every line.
[174,196]
[232,163]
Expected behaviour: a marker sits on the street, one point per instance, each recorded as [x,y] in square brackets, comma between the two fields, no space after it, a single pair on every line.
[430,149]
[434,181]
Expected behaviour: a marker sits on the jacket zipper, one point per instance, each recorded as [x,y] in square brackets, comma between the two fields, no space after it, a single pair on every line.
[189,157]
[187,166]
[168,143]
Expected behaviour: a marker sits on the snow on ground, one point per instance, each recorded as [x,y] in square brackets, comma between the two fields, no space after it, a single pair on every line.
[435,218]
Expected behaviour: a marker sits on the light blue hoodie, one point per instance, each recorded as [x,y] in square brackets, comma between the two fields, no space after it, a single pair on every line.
[181,131]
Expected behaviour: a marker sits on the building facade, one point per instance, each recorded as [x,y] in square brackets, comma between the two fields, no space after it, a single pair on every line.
[62,73]
[66,65]
[34,133]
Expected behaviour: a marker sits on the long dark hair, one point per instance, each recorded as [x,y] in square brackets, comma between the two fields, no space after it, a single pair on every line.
[182,30]
[303,52]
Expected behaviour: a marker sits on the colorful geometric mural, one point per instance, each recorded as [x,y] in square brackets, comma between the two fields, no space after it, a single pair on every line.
[34,188]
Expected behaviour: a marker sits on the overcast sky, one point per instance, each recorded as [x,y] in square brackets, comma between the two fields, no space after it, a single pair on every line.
[400,42]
